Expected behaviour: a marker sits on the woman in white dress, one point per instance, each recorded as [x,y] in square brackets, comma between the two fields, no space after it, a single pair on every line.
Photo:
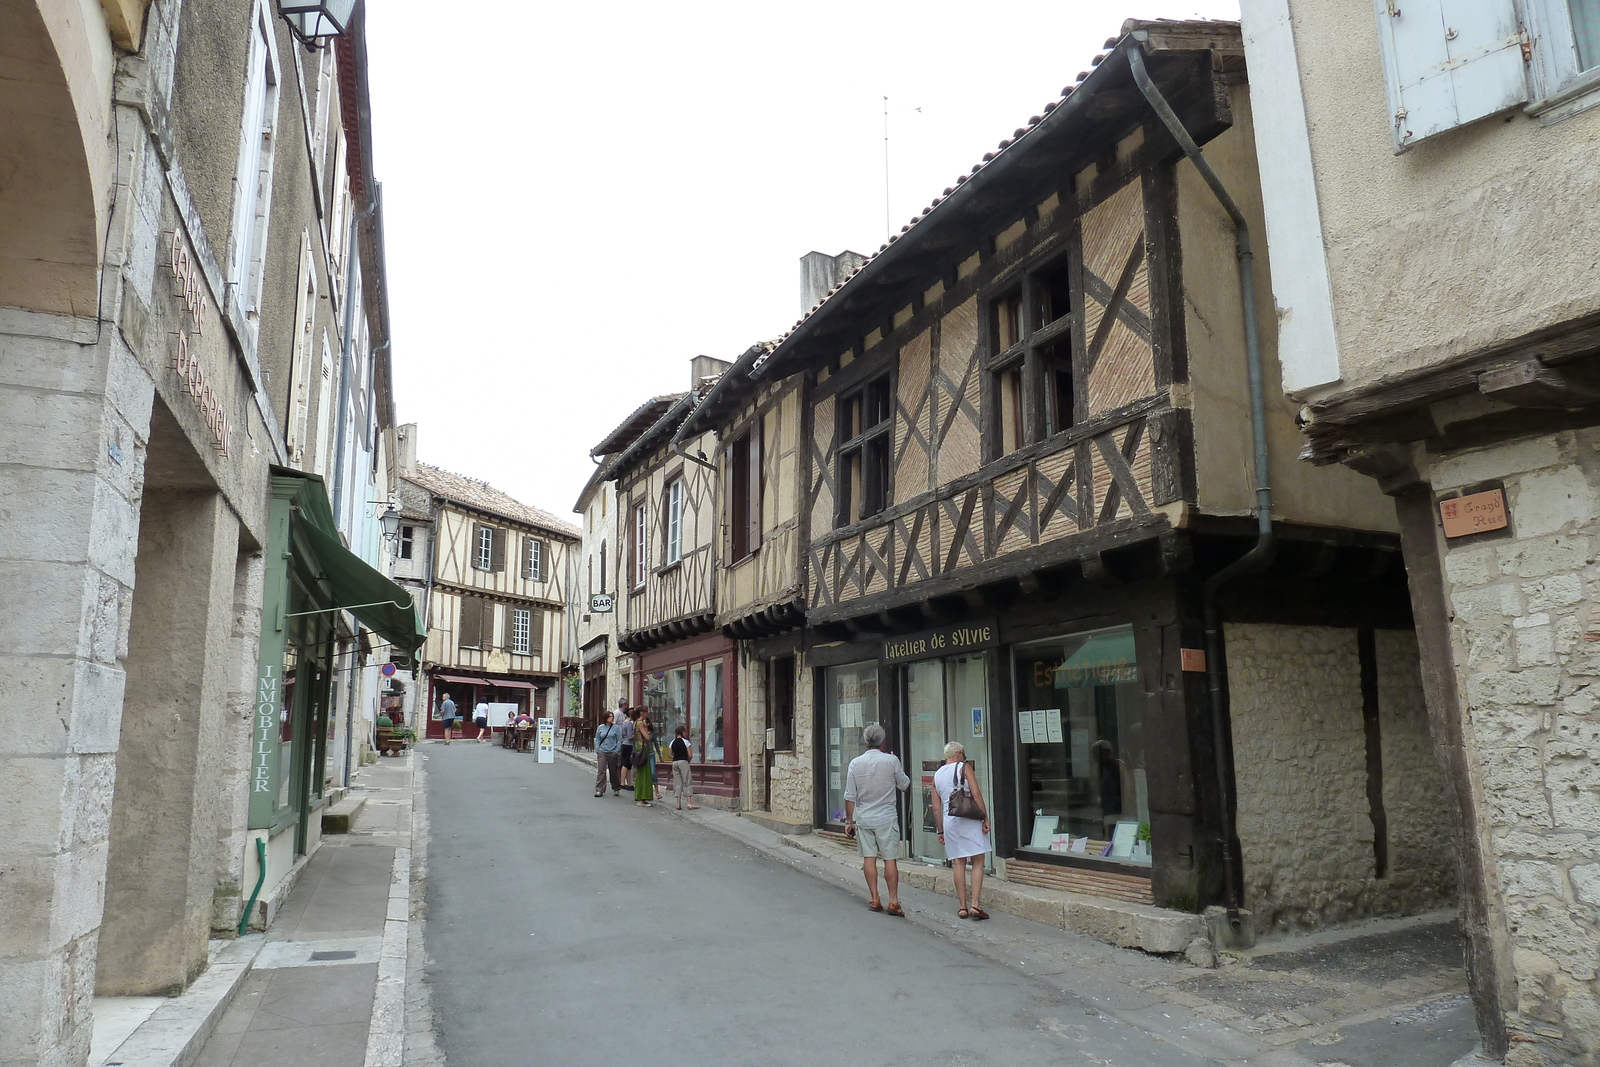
[963,839]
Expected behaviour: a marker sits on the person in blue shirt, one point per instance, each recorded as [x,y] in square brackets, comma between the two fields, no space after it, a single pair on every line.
[607,758]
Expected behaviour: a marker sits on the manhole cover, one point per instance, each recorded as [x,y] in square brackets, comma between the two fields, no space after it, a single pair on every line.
[341,954]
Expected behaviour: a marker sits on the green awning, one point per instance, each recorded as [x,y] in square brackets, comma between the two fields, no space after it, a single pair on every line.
[1104,659]
[353,584]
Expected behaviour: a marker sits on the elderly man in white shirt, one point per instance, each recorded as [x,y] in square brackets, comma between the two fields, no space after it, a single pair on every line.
[872,815]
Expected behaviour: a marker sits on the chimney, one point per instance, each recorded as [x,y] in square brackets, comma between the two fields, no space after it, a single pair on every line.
[820,272]
[702,368]
[407,437]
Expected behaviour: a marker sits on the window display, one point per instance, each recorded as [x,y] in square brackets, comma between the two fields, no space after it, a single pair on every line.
[1080,747]
[850,696]
[691,694]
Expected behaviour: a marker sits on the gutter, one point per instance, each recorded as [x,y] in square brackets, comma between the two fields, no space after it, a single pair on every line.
[1260,555]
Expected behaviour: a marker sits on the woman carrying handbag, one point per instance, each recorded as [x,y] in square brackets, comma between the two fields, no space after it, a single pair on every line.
[962,820]
[644,763]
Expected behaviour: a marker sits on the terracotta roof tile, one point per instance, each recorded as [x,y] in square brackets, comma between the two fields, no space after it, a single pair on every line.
[485,497]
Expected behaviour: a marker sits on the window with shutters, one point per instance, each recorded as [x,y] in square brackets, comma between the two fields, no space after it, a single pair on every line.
[744,494]
[302,353]
[488,548]
[533,559]
[476,628]
[253,178]
[640,545]
[1030,361]
[867,431]
[1565,53]
[1447,63]
[674,530]
[521,629]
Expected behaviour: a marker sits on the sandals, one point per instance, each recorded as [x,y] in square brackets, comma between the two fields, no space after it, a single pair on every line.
[977,913]
[961,913]
[873,905]
[897,911]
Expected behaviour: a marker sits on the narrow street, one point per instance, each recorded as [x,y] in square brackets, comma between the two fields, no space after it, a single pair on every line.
[577,931]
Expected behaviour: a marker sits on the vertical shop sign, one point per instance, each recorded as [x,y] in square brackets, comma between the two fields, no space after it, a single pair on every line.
[547,740]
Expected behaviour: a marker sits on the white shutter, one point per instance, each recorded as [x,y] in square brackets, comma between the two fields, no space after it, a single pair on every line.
[1448,62]
[247,181]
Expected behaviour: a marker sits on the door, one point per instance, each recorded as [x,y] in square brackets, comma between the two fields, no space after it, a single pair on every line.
[945,701]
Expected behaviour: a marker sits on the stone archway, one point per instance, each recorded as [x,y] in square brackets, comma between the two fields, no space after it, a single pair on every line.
[56,153]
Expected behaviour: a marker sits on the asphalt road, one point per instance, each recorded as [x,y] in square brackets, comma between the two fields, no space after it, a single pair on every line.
[567,930]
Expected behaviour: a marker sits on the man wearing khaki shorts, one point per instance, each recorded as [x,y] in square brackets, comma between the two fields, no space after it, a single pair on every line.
[872,814]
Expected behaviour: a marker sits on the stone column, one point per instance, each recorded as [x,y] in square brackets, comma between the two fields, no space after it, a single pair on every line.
[177,723]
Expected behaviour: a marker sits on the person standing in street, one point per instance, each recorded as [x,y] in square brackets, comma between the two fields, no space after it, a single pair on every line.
[682,773]
[607,754]
[620,715]
[964,839]
[480,718]
[644,775]
[627,728]
[447,716]
[872,814]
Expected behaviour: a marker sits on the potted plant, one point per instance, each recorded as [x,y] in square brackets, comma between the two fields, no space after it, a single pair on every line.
[1141,842]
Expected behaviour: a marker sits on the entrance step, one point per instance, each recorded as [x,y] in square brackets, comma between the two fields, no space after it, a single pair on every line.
[778,824]
[1129,888]
[338,818]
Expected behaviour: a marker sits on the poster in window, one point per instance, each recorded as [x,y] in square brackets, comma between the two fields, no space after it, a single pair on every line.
[977,722]
[850,714]
[833,735]
[1041,727]
[833,781]
[1052,725]
[1025,727]
[834,759]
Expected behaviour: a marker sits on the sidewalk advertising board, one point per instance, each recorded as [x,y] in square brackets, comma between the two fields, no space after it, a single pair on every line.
[547,740]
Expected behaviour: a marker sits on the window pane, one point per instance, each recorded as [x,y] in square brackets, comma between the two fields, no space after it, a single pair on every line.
[713,750]
[1586,31]
[1080,740]
[851,702]
[697,718]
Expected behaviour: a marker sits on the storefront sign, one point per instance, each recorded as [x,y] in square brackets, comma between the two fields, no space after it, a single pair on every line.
[187,364]
[600,603]
[547,740]
[1479,513]
[266,730]
[943,641]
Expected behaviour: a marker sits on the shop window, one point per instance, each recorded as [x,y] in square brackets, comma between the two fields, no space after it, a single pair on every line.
[533,559]
[692,695]
[488,548]
[408,540]
[1080,742]
[866,430]
[744,494]
[780,703]
[521,629]
[674,512]
[850,704]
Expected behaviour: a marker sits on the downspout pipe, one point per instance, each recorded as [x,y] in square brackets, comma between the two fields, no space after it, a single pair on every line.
[1260,555]
[261,880]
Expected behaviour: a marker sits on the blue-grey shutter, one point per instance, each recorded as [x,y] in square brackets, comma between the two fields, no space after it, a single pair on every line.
[1448,62]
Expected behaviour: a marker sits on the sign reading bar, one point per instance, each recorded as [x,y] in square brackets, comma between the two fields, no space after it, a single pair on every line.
[600,602]
[1475,514]
[942,641]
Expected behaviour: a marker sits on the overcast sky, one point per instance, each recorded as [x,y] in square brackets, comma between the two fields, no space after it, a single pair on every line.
[580,197]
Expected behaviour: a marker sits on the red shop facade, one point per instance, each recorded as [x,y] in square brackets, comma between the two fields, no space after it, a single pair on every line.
[466,690]
[695,681]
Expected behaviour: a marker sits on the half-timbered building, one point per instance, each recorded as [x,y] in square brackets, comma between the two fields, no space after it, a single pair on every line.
[1033,523]
[496,578]
[681,667]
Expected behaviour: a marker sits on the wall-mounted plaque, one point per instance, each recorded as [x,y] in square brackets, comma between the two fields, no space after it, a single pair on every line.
[1478,513]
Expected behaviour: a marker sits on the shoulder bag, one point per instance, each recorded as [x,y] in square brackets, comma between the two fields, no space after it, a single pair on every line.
[962,804]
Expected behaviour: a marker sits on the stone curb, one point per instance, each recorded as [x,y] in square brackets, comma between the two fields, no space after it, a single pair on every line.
[387,1031]
[176,1032]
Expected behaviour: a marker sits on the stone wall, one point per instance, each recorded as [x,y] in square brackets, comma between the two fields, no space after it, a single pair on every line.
[1526,636]
[1300,755]
[793,777]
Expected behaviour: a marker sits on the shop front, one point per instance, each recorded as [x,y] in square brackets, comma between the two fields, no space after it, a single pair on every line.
[695,683]
[507,697]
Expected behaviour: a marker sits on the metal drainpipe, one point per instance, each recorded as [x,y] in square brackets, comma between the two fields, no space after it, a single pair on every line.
[1260,555]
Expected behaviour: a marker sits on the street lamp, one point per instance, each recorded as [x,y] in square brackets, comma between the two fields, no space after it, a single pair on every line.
[390,521]
[316,20]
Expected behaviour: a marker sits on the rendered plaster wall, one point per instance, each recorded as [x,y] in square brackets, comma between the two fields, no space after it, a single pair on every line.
[1464,241]
[1526,636]
[1300,762]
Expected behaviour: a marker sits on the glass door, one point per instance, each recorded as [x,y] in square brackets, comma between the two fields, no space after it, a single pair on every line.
[946,700]
[967,714]
[850,704]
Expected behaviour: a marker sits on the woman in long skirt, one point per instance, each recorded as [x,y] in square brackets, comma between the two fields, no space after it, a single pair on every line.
[644,776]
[963,839]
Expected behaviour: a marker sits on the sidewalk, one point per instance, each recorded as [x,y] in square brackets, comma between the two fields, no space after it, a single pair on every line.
[325,985]
[1376,992]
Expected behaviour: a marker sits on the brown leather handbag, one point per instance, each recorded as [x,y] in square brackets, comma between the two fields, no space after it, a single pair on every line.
[962,804]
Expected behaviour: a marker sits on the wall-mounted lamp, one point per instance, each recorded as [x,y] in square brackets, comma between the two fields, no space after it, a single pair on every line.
[390,521]
[314,21]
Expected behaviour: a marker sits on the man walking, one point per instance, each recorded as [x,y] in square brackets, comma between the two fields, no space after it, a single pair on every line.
[607,758]
[872,814]
[480,718]
[447,716]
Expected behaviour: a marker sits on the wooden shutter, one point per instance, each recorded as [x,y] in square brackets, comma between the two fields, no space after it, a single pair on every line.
[470,631]
[497,550]
[535,631]
[506,621]
[730,501]
[1447,63]
[757,483]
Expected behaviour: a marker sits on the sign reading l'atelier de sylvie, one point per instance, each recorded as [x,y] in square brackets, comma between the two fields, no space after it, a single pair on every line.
[186,357]
[942,641]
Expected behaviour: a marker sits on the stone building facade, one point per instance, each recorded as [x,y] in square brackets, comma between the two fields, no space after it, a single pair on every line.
[148,346]
[1440,332]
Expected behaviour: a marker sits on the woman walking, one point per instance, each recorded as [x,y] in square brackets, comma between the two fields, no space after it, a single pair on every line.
[964,838]
[644,775]
[682,773]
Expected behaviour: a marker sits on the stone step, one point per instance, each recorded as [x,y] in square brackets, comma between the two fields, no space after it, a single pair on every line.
[338,818]
[778,824]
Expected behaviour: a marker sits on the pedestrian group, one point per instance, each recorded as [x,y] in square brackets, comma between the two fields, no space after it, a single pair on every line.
[625,758]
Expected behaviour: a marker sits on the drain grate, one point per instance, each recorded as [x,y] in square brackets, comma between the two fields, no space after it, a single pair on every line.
[342,954]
